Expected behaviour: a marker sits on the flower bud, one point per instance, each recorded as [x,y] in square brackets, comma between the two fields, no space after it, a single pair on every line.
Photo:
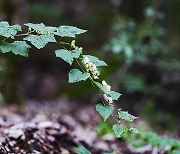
[86,60]
[110,100]
[97,73]
[29,29]
[38,30]
[95,77]
[105,97]
[104,83]
[94,67]
[81,50]
[108,87]
[73,44]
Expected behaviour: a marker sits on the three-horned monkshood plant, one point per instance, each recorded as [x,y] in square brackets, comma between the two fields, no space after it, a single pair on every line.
[40,35]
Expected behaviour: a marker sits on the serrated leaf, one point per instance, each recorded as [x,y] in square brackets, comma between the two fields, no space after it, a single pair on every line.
[75,53]
[134,130]
[119,130]
[41,28]
[17,47]
[81,150]
[39,41]
[126,116]
[95,60]
[104,111]
[101,87]
[67,55]
[8,31]
[2,68]
[114,95]
[69,31]
[75,75]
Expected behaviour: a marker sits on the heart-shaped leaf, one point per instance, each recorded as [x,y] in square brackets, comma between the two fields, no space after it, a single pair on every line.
[75,75]
[126,116]
[104,111]
[119,130]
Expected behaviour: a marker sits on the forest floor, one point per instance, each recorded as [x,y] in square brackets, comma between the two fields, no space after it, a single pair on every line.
[53,128]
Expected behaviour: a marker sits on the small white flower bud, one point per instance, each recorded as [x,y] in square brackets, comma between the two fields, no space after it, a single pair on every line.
[93,73]
[97,72]
[73,44]
[29,29]
[86,60]
[105,97]
[38,30]
[95,77]
[110,100]
[90,65]
[104,83]
[108,87]
[81,50]
[94,67]
[87,67]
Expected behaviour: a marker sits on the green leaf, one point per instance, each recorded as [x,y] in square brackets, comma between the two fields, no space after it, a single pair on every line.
[114,95]
[75,75]
[8,31]
[68,31]
[41,28]
[95,60]
[126,116]
[101,87]
[104,111]
[119,130]
[39,41]
[17,47]
[76,53]
[67,55]
[2,68]
[81,150]
[134,130]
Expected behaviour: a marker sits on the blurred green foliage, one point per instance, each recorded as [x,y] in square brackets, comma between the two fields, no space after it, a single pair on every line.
[104,128]
[160,117]
[140,49]
[144,138]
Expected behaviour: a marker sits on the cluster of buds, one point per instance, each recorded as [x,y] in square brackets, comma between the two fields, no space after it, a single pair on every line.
[73,46]
[107,98]
[90,67]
